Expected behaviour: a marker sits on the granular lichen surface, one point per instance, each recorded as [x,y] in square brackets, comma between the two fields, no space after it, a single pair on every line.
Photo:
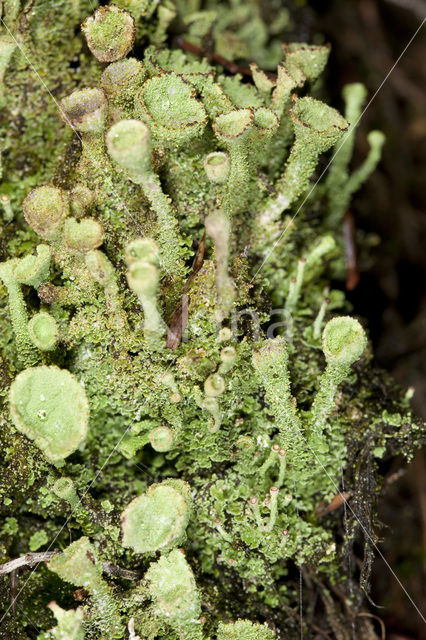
[184,393]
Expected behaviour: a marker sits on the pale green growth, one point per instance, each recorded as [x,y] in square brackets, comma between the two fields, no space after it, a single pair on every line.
[214,385]
[215,100]
[376,140]
[287,499]
[172,586]
[317,127]
[110,33]
[167,103]
[228,356]
[103,272]
[141,249]
[245,630]
[45,209]
[81,199]
[43,331]
[85,111]
[122,75]
[216,166]
[64,489]
[281,96]
[161,439]
[49,406]
[28,354]
[271,363]
[33,270]
[282,457]
[324,246]
[7,47]
[284,539]
[344,193]
[166,13]
[187,143]
[37,540]
[354,96]
[138,8]
[169,381]
[130,445]
[129,145]
[302,62]
[143,279]
[83,235]
[270,460]
[340,184]
[120,81]
[273,491]
[218,228]
[79,565]
[157,519]
[11,9]
[306,269]
[254,505]
[343,343]
[211,405]
[317,327]
[309,59]
[7,207]
[69,623]
[224,334]
[276,454]
[218,525]
[262,81]
[295,286]
[265,125]
[233,129]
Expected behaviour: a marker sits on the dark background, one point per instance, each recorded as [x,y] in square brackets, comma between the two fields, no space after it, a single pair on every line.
[367,37]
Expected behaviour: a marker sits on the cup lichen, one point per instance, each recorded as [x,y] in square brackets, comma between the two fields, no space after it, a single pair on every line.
[49,406]
[187,272]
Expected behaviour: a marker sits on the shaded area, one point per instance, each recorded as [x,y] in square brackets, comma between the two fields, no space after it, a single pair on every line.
[367,37]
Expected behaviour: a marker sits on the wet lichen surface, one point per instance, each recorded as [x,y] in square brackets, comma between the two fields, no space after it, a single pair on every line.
[193,431]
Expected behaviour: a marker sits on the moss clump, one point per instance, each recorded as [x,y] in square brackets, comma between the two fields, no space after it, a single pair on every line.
[180,295]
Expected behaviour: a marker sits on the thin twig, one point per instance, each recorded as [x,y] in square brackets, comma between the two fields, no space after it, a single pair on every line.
[352,273]
[179,319]
[31,559]
[365,614]
[338,501]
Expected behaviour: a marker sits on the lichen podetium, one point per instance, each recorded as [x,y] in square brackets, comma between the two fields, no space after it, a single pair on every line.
[182,393]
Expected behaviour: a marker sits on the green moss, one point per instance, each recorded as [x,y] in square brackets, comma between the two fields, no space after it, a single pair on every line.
[170,197]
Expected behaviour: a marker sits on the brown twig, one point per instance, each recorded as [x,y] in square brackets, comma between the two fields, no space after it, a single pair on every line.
[230,66]
[179,319]
[365,614]
[323,509]
[352,273]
